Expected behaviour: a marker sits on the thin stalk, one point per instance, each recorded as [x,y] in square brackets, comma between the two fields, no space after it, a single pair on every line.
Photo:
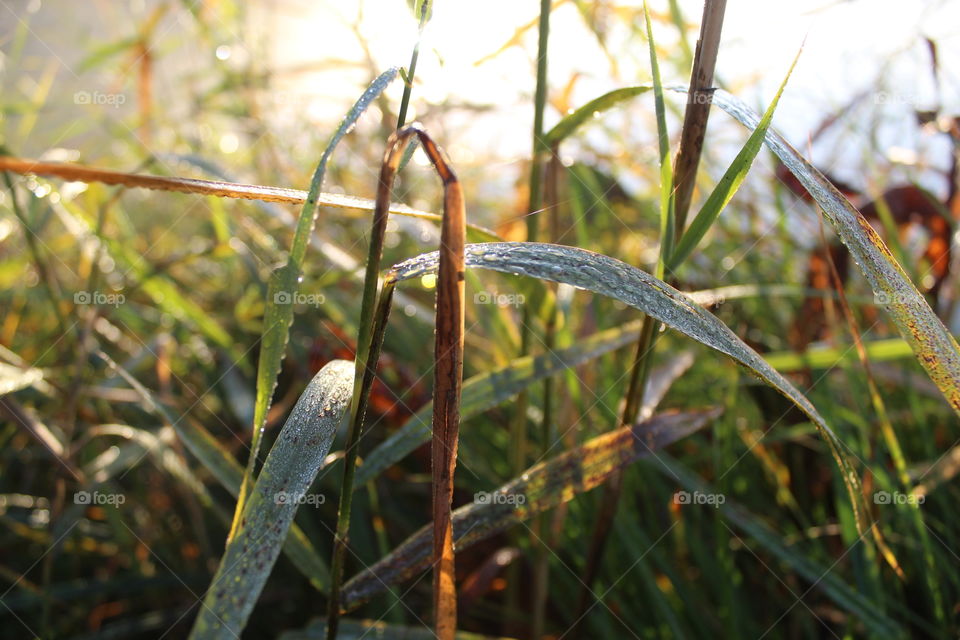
[412,68]
[364,372]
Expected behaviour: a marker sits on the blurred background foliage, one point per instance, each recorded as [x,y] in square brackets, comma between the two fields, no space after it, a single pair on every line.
[251,92]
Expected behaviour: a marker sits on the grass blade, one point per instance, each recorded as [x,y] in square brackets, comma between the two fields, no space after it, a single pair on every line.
[615,279]
[932,344]
[935,348]
[542,486]
[82,173]
[569,124]
[447,387]
[282,485]
[284,285]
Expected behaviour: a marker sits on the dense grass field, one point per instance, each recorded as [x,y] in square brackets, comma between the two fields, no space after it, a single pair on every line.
[304,345]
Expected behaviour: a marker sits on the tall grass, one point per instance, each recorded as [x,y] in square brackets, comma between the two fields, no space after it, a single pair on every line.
[638,450]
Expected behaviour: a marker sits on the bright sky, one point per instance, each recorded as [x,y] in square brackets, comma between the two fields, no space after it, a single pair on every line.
[845,42]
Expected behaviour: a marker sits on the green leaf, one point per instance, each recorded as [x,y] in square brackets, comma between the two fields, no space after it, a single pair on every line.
[610,277]
[285,284]
[540,488]
[280,489]
[732,179]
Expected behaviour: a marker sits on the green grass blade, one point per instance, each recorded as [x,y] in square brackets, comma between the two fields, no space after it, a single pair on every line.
[569,124]
[287,474]
[542,486]
[934,346]
[487,390]
[612,278]
[732,179]
[285,283]
[667,213]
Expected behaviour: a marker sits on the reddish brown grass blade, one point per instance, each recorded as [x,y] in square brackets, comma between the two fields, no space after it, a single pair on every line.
[448,378]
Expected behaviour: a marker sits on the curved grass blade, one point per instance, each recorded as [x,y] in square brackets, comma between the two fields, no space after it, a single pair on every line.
[447,388]
[287,474]
[540,488]
[933,345]
[284,285]
[612,278]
